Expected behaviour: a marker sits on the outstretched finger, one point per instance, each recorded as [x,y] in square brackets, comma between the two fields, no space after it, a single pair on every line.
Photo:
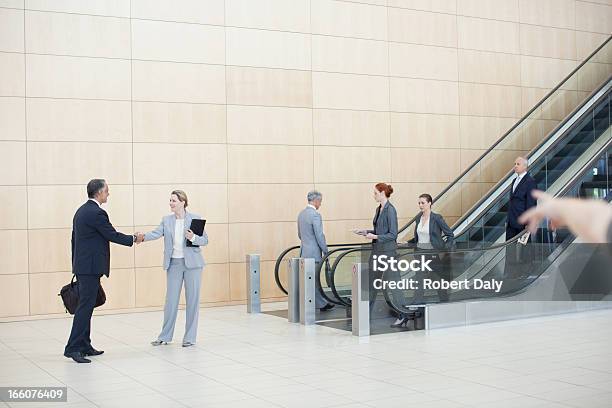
[541,195]
[532,218]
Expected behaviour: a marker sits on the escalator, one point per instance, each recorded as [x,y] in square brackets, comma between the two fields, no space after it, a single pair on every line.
[473,200]
[517,264]
[548,267]
[578,163]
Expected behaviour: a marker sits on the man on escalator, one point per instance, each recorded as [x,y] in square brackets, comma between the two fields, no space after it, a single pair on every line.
[518,257]
[520,197]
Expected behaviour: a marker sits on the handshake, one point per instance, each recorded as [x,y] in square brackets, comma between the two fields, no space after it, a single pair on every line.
[139,237]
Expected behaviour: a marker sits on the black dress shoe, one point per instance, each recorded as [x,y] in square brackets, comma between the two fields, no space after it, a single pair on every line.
[78,357]
[93,352]
[327,307]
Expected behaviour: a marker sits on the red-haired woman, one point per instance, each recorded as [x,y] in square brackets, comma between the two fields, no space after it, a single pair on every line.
[384,242]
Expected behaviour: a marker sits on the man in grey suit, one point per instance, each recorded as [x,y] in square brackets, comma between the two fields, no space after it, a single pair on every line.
[310,233]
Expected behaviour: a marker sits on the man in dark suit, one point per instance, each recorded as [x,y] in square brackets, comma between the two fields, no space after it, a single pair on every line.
[520,197]
[518,260]
[91,234]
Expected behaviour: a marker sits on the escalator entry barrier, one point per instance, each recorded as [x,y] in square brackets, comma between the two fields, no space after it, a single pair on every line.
[307,291]
[293,290]
[419,317]
[360,305]
[253,274]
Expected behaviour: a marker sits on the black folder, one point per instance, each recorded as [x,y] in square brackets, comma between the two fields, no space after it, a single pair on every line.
[197,226]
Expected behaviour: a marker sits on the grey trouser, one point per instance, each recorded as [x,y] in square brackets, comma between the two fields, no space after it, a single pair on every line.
[176,274]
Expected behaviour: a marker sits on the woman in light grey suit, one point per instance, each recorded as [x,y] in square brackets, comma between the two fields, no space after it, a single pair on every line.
[182,264]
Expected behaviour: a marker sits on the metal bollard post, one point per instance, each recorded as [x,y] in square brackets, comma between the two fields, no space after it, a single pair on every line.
[253,274]
[293,295]
[360,302]
[307,291]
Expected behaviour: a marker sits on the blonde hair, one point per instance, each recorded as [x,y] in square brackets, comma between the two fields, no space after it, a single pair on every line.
[181,196]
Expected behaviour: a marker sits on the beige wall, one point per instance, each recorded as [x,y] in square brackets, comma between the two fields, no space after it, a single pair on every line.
[247,105]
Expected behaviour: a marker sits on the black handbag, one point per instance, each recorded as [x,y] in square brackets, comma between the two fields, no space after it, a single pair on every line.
[70,296]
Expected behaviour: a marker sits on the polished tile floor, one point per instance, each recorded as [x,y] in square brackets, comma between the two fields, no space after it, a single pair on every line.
[257,361]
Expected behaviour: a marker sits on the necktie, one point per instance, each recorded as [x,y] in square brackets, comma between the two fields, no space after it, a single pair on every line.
[517,180]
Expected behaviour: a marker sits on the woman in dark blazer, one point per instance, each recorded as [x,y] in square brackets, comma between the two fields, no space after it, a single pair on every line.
[384,234]
[430,229]
[432,232]
[384,242]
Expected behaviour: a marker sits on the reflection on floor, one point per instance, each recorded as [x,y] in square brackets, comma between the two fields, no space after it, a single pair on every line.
[337,313]
[339,318]
[257,361]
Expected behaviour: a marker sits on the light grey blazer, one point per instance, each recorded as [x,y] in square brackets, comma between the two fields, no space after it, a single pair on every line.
[193,255]
[310,233]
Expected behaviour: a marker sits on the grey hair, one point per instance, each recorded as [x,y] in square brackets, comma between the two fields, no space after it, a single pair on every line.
[313,195]
[94,187]
[525,161]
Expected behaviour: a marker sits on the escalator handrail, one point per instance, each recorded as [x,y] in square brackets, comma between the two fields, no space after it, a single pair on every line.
[324,261]
[421,252]
[277,266]
[286,251]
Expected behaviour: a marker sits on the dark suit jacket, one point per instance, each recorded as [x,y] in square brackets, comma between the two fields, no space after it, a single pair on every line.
[520,201]
[91,234]
[438,228]
[385,227]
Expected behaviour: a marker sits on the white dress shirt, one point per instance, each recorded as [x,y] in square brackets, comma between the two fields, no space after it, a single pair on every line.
[179,237]
[423,233]
[517,180]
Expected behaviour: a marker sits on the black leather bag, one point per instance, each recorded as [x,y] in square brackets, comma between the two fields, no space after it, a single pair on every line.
[70,296]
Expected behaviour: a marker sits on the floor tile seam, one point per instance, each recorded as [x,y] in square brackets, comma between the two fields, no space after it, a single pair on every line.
[51,375]
[170,362]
